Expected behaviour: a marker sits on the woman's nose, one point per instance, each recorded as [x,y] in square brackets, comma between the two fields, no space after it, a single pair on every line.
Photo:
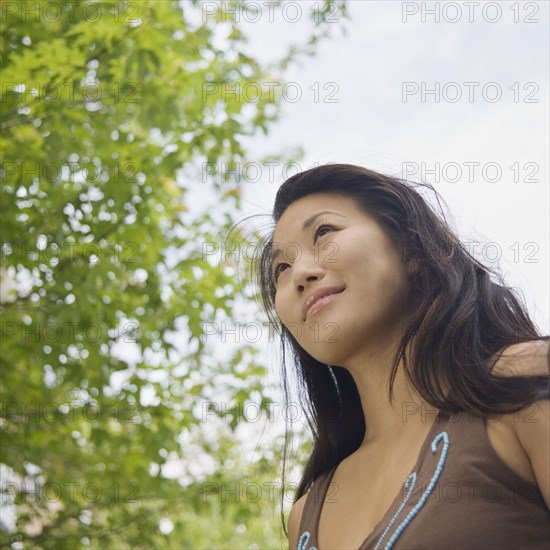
[307,271]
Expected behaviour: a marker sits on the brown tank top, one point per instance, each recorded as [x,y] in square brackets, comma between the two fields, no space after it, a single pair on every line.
[460,495]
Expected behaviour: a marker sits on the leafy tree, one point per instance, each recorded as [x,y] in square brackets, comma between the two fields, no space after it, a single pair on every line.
[107,122]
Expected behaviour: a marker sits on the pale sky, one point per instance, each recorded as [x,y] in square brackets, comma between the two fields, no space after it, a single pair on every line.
[482,143]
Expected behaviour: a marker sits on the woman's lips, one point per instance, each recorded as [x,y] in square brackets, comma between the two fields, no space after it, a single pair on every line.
[321,303]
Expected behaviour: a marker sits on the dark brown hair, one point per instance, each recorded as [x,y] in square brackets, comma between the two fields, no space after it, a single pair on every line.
[461,319]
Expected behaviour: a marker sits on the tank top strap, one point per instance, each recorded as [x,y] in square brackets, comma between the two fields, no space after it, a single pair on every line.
[478,457]
[311,513]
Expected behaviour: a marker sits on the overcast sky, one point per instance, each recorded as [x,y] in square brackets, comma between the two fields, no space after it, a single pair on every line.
[486,121]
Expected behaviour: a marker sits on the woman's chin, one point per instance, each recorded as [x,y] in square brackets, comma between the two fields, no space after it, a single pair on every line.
[330,355]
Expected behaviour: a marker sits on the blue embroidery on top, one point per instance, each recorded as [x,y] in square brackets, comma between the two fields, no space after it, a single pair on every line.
[412,480]
[302,543]
[412,477]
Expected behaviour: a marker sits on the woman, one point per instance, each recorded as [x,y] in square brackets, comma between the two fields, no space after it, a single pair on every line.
[425,383]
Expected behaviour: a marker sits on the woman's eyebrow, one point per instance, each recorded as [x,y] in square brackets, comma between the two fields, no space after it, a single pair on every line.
[311,219]
[308,223]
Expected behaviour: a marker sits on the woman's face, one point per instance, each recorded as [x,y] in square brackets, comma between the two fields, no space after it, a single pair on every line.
[340,281]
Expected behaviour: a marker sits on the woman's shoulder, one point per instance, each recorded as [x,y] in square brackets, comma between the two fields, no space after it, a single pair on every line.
[517,436]
[530,358]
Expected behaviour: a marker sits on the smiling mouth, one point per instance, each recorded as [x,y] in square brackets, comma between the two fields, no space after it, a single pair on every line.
[321,303]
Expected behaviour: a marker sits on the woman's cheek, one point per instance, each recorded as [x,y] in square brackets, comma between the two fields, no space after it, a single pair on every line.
[281,310]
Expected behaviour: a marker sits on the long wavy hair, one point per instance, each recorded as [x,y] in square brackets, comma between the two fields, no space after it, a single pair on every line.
[461,319]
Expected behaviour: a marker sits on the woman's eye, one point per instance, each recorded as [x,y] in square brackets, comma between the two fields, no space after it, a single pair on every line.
[277,270]
[322,230]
